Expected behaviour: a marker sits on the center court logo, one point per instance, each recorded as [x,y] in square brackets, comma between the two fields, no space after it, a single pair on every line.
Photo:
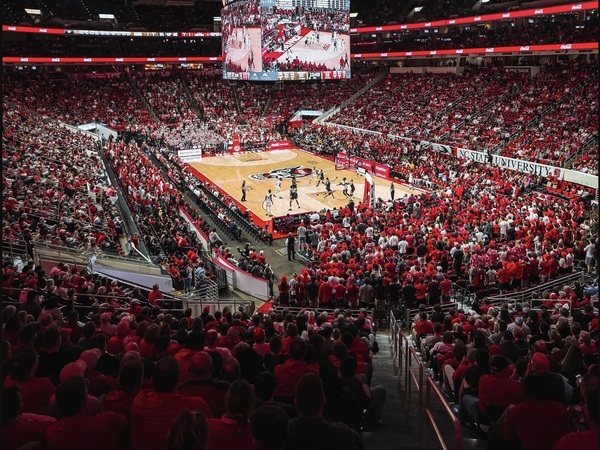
[287,172]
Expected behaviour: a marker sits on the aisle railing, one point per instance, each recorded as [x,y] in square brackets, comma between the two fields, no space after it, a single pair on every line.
[413,374]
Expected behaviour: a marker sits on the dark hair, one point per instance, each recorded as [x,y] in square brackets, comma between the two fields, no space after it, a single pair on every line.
[310,396]
[297,350]
[99,341]
[165,375]
[348,367]
[269,427]
[22,363]
[534,388]
[71,396]
[239,401]
[189,431]
[265,384]
[459,350]
[340,351]
[11,404]
[447,337]
[275,344]
[193,341]
[131,375]
[591,401]
[51,336]
[482,358]
[347,339]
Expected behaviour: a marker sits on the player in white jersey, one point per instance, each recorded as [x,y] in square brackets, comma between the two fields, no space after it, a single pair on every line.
[269,203]
[315,175]
[345,186]
[278,187]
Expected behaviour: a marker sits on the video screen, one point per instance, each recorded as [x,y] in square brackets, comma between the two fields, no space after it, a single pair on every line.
[241,37]
[273,40]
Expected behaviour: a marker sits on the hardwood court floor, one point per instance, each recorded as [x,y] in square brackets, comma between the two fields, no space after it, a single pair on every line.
[260,171]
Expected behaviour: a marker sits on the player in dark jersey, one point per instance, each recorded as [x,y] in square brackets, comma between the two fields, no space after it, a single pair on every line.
[328,188]
[321,177]
[294,195]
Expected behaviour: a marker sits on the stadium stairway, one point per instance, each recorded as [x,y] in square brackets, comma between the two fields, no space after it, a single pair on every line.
[405,425]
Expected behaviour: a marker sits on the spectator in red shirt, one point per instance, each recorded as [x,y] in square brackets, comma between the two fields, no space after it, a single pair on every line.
[35,392]
[20,428]
[496,390]
[131,376]
[233,430]
[423,326]
[536,423]
[102,431]
[153,410]
[291,332]
[200,383]
[289,372]
[446,287]
[583,439]
[155,296]
[325,293]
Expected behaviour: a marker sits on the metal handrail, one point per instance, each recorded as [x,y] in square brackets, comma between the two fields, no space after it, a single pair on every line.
[248,305]
[457,427]
[298,309]
[119,298]
[410,373]
[429,308]
[102,254]
[520,295]
[14,247]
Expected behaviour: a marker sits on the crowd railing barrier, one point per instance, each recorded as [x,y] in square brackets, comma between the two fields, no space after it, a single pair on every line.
[413,374]
[458,444]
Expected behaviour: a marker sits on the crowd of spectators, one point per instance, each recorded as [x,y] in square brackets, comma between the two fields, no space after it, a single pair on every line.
[563,29]
[156,200]
[165,94]
[544,31]
[109,100]
[507,231]
[497,123]
[560,132]
[99,46]
[249,259]
[515,369]
[483,109]
[54,186]
[133,375]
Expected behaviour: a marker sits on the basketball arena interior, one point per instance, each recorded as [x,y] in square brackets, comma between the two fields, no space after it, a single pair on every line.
[300,224]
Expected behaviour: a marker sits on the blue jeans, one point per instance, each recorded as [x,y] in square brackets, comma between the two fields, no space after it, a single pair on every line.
[187,285]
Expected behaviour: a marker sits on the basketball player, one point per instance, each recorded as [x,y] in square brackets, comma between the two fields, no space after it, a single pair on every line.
[321,177]
[278,187]
[345,185]
[328,189]
[244,189]
[392,191]
[294,195]
[315,175]
[269,203]
[352,188]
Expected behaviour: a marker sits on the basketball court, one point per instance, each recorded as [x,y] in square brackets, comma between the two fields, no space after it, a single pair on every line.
[261,170]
